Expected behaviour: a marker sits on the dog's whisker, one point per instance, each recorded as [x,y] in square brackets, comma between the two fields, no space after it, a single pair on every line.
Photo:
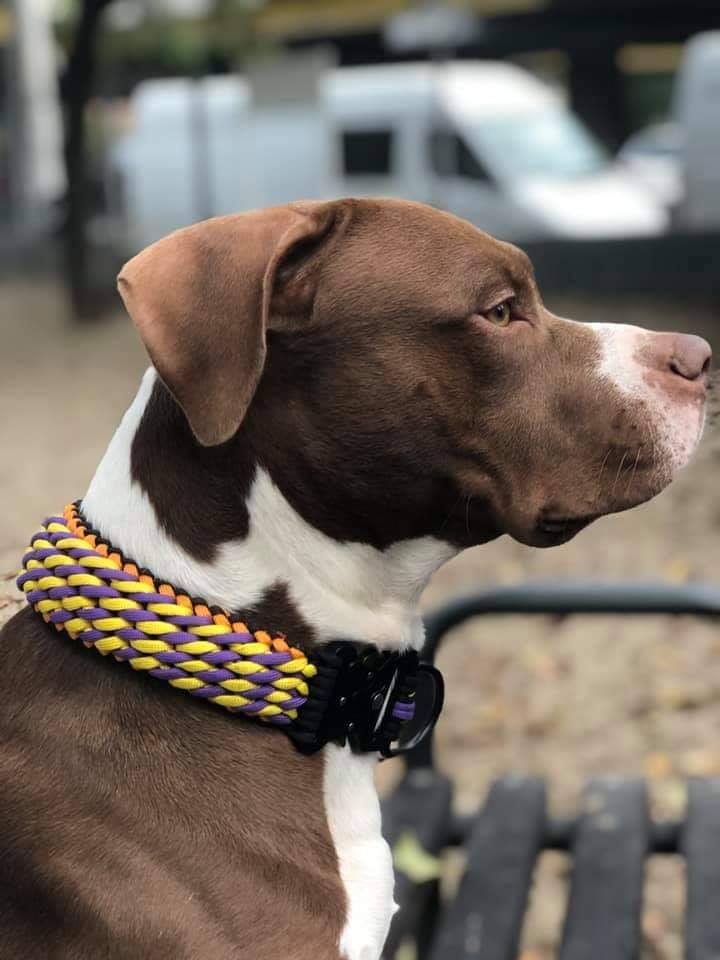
[619,471]
[602,467]
[634,471]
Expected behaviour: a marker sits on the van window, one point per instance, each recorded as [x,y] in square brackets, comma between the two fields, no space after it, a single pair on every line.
[450,156]
[366,153]
[546,143]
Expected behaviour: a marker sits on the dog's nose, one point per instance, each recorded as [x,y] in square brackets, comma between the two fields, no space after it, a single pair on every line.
[690,356]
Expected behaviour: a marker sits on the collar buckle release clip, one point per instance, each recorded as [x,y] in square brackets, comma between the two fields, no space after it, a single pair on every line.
[377,702]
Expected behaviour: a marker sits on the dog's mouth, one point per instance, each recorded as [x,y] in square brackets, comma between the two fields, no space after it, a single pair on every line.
[558,529]
[551,530]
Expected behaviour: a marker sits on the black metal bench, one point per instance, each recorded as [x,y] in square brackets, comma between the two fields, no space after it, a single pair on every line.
[609,841]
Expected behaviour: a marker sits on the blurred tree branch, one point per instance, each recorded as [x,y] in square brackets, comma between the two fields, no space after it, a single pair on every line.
[78,85]
[159,45]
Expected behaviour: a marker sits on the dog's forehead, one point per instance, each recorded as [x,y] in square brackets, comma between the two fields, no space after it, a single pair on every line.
[426,257]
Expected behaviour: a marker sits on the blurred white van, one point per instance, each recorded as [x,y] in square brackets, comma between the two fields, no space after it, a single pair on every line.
[653,154]
[696,111]
[485,140]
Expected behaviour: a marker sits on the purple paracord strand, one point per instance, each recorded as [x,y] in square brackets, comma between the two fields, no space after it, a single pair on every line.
[404,710]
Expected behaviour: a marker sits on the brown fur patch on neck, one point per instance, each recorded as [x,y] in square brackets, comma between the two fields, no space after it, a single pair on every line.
[199,495]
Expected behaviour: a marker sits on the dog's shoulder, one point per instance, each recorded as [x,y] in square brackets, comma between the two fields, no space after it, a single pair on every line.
[125,832]
[23,640]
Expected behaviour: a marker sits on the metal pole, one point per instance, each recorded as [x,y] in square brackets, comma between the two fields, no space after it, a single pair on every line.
[16,145]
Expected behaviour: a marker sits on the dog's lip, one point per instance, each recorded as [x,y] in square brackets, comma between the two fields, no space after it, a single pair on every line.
[551,530]
[564,524]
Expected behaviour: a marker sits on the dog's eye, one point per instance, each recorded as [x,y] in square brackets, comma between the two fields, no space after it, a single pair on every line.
[501,315]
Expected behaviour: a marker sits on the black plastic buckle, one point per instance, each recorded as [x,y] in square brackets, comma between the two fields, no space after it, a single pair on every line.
[353,696]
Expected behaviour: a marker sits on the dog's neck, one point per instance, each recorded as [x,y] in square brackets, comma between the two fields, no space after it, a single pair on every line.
[348,590]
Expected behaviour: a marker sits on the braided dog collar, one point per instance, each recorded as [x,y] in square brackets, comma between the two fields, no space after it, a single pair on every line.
[80,584]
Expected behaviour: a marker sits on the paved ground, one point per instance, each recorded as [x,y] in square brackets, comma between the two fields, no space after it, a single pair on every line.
[565,698]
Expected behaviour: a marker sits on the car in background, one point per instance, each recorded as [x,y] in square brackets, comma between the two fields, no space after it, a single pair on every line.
[487,141]
[679,160]
[654,156]
[696,110]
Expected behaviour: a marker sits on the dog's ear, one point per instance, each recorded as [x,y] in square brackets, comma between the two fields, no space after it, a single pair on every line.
[201,300]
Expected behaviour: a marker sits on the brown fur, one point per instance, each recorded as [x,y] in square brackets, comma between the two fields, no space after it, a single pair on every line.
[135,824]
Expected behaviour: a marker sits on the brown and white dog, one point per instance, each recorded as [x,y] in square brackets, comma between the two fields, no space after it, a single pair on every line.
[344,396]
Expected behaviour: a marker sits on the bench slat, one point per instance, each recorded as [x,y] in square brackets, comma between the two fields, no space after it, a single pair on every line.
[609,850]
[418,813]
[485,919]
[700,843]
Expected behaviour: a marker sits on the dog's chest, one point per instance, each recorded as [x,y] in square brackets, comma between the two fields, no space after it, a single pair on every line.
[364,858]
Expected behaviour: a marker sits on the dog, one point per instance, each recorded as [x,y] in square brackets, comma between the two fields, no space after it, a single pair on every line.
[343,395]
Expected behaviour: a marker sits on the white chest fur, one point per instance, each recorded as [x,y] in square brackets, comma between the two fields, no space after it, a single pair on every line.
[353,812]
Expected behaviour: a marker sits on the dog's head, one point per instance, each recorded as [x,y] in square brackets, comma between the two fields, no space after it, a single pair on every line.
[396,373]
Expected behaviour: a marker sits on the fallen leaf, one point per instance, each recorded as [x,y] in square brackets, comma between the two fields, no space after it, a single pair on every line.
[678,570]
[411,858]
[675,696]
[657,765]
[701,762]
[654,925]
[407,950]
[669,797]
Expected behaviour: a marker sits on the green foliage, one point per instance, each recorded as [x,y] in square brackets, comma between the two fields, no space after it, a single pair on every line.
[65,11]
[170,44]
[180,45]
